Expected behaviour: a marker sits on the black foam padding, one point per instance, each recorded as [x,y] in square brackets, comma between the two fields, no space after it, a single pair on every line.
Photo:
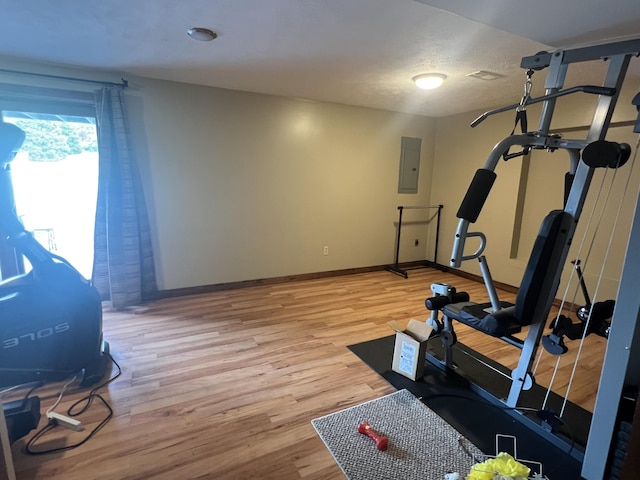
[475,315]
[568,183]
[636,102]
[476,195]
[601,154]
[439,301]
[546,244]
[461,297]
[598,90]
[625,154]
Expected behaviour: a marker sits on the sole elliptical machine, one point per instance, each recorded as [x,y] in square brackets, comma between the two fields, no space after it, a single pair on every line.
[50,317]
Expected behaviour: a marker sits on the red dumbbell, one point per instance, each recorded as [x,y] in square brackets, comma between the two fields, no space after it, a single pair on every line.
[381,441]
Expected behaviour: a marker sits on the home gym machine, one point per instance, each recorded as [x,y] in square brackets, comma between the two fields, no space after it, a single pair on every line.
[541,278]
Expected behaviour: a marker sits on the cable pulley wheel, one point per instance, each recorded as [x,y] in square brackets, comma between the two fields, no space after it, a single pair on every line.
[527,381]
[448,337]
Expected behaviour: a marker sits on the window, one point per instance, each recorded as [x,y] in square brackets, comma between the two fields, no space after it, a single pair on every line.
[55,176]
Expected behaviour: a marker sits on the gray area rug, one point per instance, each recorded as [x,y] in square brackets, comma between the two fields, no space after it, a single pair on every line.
[422,446]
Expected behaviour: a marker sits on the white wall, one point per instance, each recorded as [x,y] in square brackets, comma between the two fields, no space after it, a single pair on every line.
[244,186]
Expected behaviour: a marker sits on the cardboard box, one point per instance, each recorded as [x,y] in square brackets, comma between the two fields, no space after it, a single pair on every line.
[410,348]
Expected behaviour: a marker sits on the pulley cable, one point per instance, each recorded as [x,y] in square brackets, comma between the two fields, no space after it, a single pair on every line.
[599,282]
[596,229]
[553,377]
[588,223]
[597,224]
[535,368]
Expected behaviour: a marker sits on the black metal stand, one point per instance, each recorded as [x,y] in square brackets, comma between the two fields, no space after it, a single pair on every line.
[395,268]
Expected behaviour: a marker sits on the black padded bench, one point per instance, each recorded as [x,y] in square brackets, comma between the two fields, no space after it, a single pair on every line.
[480,317]
[510,318]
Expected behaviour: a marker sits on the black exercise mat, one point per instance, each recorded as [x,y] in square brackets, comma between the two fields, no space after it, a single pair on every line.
[474,415]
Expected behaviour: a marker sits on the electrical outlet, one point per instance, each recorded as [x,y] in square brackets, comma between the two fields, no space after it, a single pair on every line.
[325,250]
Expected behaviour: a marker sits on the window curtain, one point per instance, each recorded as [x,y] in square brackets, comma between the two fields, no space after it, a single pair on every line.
[123,267]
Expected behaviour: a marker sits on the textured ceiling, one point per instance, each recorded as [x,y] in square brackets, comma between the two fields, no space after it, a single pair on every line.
[357,52]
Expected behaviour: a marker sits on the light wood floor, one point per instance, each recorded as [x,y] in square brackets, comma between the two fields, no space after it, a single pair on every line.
[224,385]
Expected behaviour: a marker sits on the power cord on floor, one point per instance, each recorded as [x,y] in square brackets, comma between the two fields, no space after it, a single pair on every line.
[78,408]
[64,389]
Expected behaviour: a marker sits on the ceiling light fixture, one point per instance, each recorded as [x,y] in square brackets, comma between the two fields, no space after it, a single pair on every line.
[429,80]
[202,34]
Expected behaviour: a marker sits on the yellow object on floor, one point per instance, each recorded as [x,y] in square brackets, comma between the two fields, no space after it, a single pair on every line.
[503,466]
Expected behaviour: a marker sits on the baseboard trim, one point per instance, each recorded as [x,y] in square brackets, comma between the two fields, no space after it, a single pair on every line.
[181,292]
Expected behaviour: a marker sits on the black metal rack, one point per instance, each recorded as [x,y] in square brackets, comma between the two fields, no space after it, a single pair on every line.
[395,268]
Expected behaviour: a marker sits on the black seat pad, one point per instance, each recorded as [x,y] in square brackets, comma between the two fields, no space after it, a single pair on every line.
[477,316]
[546,250]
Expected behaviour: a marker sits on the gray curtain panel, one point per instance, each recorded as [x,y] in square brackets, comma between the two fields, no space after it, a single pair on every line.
[123,268]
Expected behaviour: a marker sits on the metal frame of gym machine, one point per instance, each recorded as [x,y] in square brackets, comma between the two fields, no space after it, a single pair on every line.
[621,367]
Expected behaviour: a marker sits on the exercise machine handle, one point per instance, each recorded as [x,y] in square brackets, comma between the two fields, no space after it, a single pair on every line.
[591,89]
[457,255]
